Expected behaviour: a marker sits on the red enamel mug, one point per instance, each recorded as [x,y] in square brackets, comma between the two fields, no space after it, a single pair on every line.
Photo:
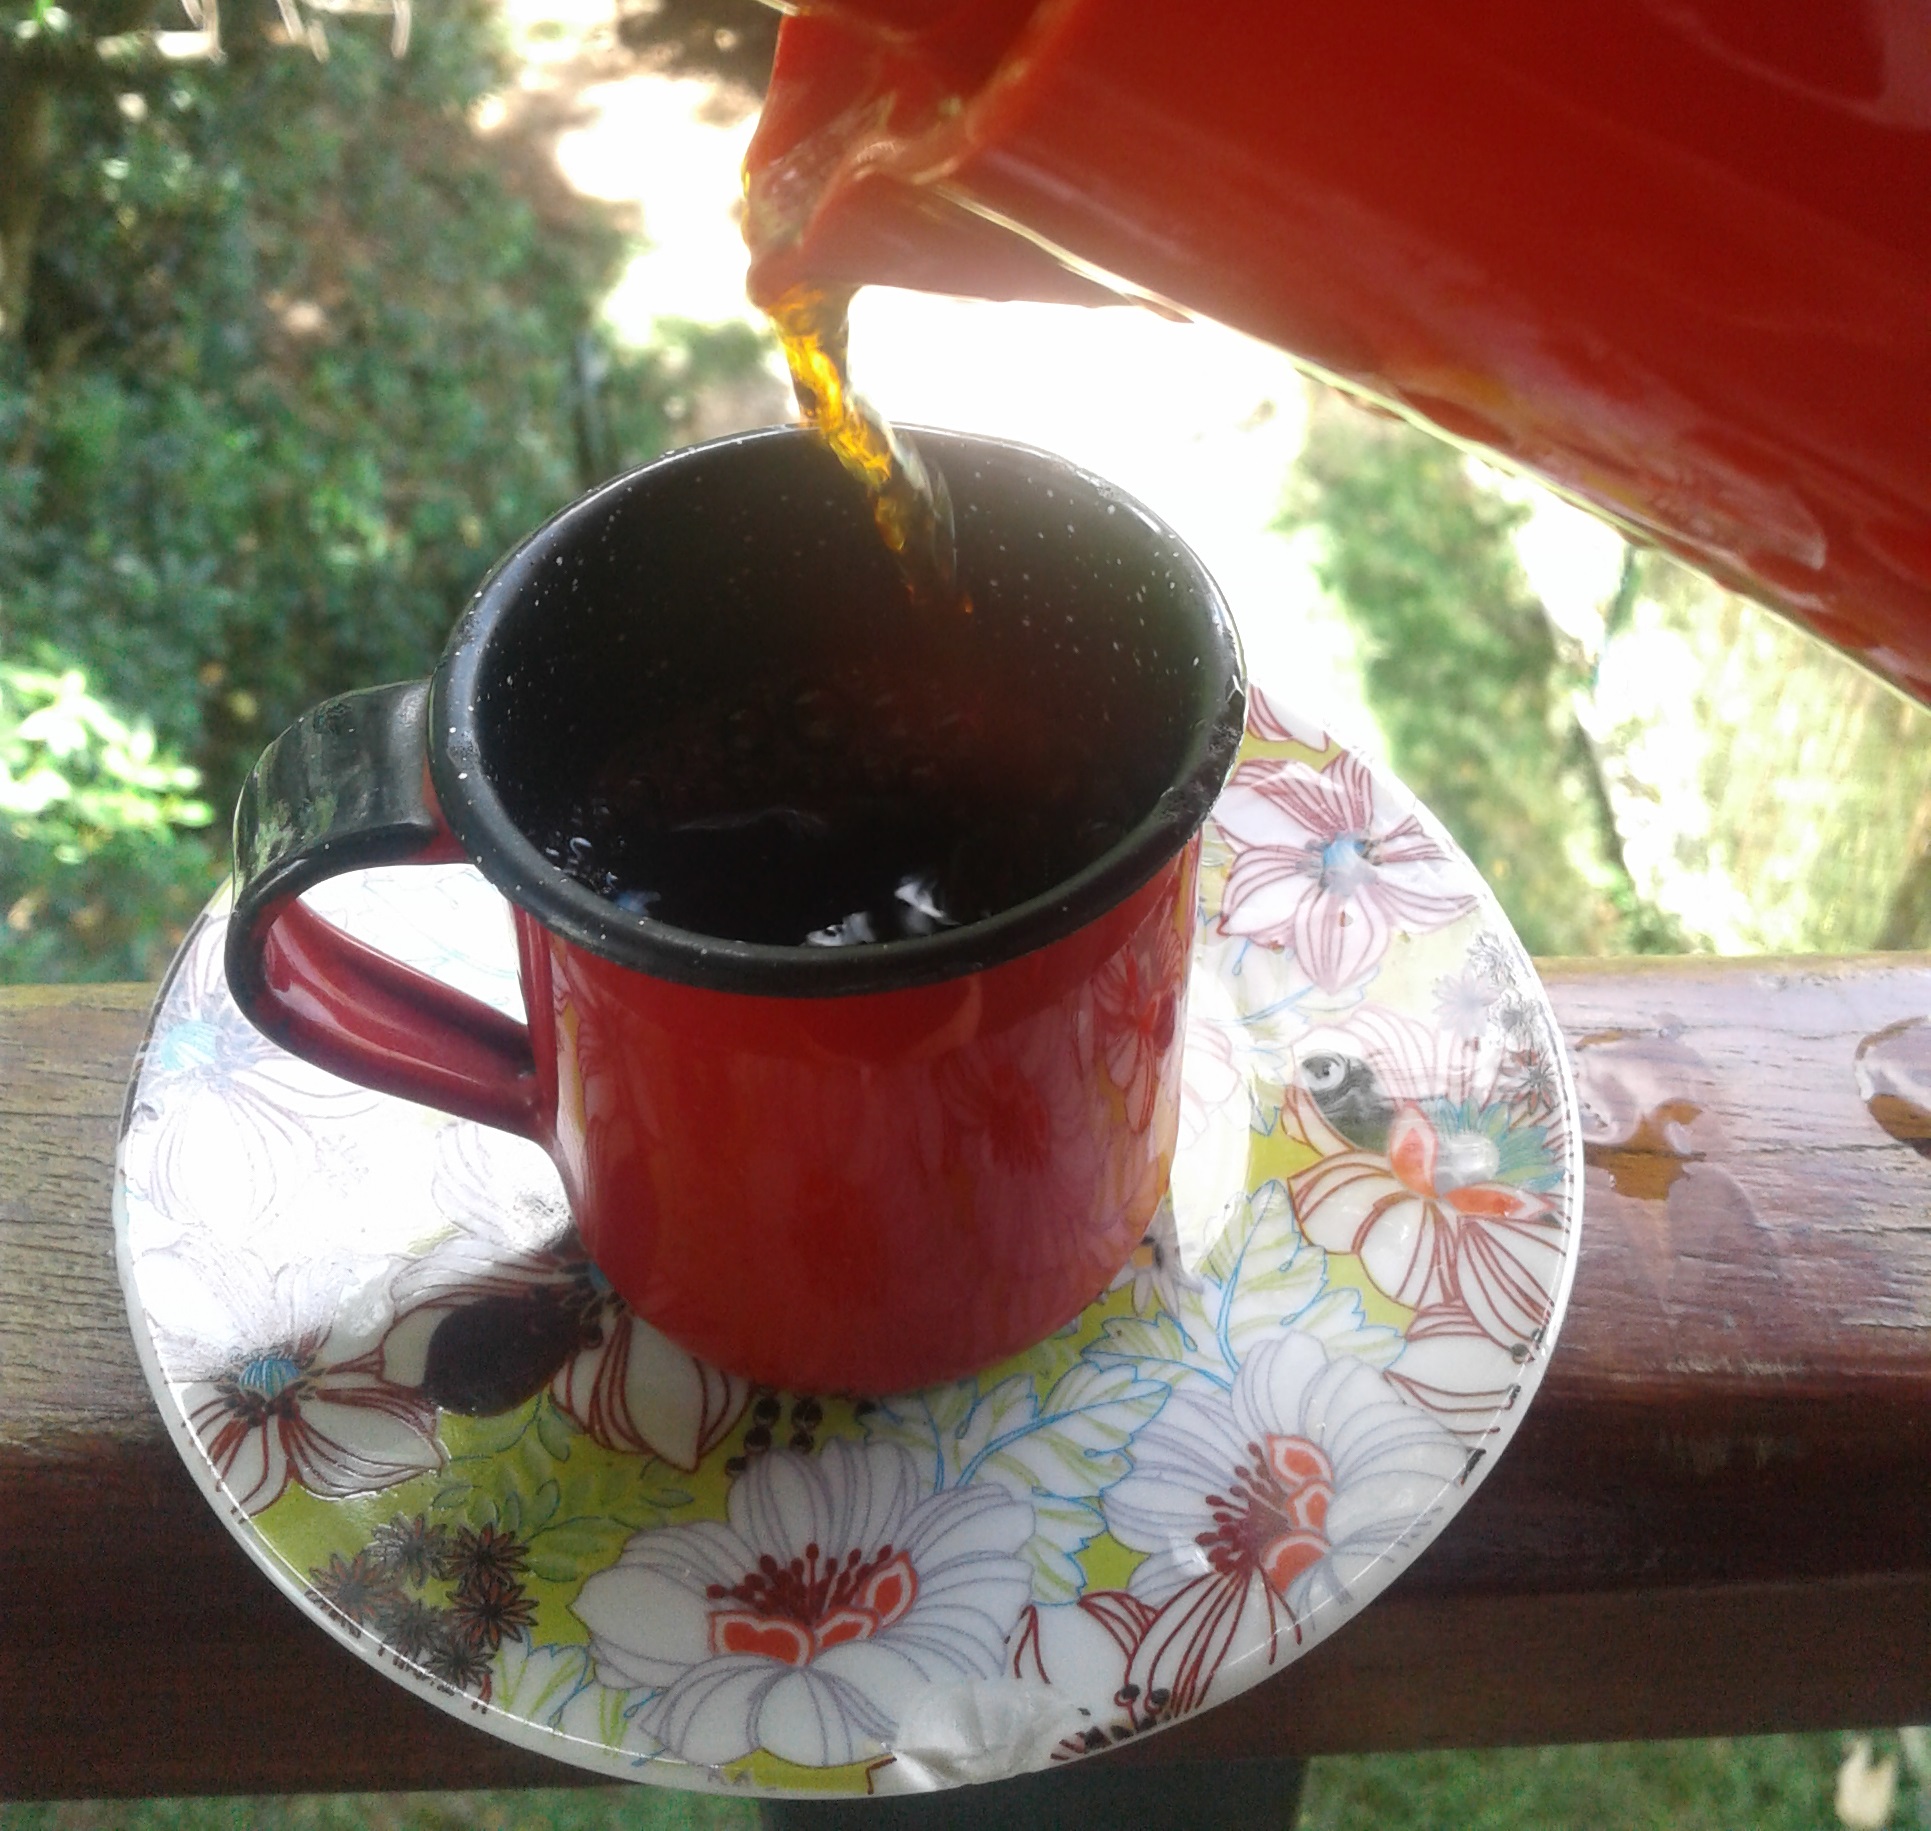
[831,1169]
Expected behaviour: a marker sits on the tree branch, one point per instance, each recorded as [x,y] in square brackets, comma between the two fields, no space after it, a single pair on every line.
[26,149]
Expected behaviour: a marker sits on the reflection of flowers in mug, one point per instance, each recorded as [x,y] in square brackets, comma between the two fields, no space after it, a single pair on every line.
[1261,1506]
[1453,1216]
[1137,1001]
[835,1593]
[1016,1120]
[1321,868]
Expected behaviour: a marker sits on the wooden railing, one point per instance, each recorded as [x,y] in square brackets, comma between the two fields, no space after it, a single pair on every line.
[1716,1518]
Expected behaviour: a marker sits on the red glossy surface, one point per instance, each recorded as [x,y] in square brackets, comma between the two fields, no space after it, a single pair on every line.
[1674,255]
[360,1014]
[873,1193]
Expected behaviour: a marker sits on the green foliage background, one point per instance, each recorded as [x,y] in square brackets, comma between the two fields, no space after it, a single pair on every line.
[1701,777]
[1462,668]
[303,352]
[88,806]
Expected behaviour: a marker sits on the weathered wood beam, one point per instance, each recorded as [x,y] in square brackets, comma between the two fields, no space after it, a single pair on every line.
[1717,1518]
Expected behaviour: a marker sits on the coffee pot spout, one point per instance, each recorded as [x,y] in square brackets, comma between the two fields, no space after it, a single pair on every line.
[849,181]
[1674,258]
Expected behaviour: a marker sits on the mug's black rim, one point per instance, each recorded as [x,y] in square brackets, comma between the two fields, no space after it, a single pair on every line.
[481,823]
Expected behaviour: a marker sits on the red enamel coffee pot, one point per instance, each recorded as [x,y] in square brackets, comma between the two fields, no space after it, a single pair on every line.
[1674,256]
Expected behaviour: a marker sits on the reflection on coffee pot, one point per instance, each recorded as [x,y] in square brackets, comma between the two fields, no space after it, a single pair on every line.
[1674,256]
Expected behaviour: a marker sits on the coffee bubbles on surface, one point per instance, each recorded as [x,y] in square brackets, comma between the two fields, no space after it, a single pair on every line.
[845,810]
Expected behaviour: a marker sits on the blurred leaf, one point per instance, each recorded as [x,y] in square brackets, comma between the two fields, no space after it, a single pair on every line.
[571,1549]
[101,853]
[1866,1788]
[554,1430]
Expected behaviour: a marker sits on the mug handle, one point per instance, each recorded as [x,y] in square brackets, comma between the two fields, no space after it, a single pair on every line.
[343,788]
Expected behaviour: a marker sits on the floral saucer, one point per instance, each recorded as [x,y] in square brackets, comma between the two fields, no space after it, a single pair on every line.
[423,1412]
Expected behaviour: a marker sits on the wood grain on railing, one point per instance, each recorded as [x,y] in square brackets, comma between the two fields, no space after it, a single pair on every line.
[1715,1519]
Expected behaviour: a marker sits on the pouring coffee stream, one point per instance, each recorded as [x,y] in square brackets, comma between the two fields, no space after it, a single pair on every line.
[909,499]
[1675,258]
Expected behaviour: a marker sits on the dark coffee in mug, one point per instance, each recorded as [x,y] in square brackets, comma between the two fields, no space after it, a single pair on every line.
[837,806]
[788,751]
